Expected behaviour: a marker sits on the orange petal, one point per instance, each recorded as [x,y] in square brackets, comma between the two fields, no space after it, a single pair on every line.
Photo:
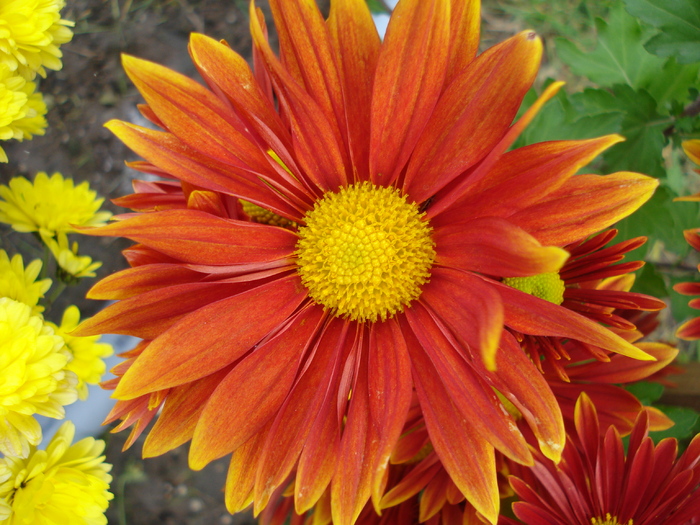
[199,238]
[468,393]
[417,41]
[195,115]
[317,142]
[470,308]
[495,246]
[692,149]
[352,487]
[622,369]
[290,429]
[467,457]
[182,408]
[239,408]
[241,472]
[517,378]
[473,114]
[307,52]
[522,177]
[176,159]
[413,482]
[357,45]
[390,394]
[211,338]
[151,313]
[135,281]
[531,315]
[584,205]
[220,65]
[465,18]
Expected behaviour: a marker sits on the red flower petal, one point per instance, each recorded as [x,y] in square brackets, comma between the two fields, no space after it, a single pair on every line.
[465,18]
[416,41]
[470,308]
[585,205]
[531,315]
[494,246]
[199,238]
[141,279]
[212,337]
[473,114]
[239,408]
[357,45]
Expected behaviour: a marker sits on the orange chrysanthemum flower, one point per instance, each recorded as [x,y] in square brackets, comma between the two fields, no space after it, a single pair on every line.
[387,211]
[597,483]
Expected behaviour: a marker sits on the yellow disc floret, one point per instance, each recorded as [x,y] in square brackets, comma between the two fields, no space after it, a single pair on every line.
[547,286]
[365,252]
[263,216]
[609,520]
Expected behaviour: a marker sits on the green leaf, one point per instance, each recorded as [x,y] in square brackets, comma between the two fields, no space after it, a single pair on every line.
[673,83]
[661,220]
[650,282]
[588,114]
[643,128]
[377,7]
[679,23]
[619,58]
[646,392]
[684,419]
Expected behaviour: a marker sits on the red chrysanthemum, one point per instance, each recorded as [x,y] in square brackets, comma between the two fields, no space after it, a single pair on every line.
[597,483]
[299,348]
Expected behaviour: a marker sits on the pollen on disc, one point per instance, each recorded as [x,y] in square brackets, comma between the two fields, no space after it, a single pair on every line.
[364,252]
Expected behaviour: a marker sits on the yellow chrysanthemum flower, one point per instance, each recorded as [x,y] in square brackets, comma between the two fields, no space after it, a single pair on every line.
[30,33]
[88,354]
[33,379]
[62,485]
[73,265]
[19,283]
[21,109]
[50,205]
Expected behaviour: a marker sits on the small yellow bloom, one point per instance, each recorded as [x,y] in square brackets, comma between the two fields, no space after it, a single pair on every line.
[67,257]
[21,109]
[33,379]
[88,354]
[62,485]
[19,283]
[49,205]
[30,33]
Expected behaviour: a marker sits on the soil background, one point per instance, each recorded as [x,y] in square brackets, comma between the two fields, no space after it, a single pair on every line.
[90,90]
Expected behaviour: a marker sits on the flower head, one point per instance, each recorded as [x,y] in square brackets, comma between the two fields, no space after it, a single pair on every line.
[30,33]
[340,318]
[21,109]
[87,361]
[66,484]
[49,205]
[33,379]
[19,283]
[71,265]
[597,483]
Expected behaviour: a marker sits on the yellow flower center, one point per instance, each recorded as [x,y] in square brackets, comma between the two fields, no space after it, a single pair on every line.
[609,520]
[548,286]
[263,216]
[365,252]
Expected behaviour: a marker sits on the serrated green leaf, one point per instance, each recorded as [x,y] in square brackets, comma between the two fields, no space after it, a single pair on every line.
[660,219]
[579,116]
[643,128]
[684,419]
[619,57]
[673,83]
[679,22]
[645,391]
